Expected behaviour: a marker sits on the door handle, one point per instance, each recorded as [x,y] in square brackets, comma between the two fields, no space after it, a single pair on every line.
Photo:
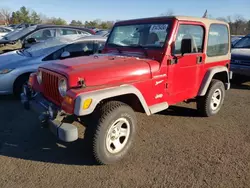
[199,59]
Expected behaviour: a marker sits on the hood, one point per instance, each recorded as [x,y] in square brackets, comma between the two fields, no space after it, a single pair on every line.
[12,59]
[106,69]
[240,54]
[4,41]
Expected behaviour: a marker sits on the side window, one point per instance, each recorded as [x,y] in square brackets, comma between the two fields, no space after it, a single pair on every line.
[193,32]
[43,34]
[75,50]
[80,49]
[218,40]
[99,46]
[84,33]
[67,32]
[54,56]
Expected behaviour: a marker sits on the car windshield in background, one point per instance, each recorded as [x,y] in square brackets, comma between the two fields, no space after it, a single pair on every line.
[243,43]
[52,44]
[16,34]
[139,35]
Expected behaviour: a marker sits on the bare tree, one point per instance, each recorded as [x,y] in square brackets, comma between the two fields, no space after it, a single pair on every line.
[5,14]
[168,13]
[239,24]
[222,19]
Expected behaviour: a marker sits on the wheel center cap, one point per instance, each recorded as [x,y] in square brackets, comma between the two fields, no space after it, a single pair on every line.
[115,134]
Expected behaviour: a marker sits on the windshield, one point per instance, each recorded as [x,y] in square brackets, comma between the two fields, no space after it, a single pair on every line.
[48,46]
[243,43]
[142,35]
[17,34]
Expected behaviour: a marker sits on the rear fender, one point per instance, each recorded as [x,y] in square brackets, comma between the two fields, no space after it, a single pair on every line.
[211,73]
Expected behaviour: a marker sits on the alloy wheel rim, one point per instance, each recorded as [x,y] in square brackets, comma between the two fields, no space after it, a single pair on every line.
[118,135]
[216,99]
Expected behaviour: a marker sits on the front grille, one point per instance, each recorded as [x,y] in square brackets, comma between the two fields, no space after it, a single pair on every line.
[50,86]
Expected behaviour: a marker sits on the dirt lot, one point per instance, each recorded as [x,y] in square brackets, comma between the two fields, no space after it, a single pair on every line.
[173,149]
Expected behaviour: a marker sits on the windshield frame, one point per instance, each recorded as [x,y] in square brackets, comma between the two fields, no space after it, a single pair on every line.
[169,22]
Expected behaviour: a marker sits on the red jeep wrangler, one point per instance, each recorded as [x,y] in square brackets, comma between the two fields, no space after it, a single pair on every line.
[146,66]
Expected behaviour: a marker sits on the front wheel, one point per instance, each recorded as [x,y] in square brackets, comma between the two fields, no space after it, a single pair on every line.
[211,103]
[19,84]
[113,133]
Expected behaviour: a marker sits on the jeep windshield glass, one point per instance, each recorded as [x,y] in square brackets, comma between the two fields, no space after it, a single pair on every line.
[149,35]
[17,34]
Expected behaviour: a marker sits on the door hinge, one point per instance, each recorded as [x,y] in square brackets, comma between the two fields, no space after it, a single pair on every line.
[199,59]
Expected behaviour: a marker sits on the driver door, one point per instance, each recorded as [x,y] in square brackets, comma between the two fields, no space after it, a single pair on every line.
[185,73]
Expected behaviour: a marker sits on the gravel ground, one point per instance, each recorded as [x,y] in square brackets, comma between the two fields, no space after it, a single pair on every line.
[175,148]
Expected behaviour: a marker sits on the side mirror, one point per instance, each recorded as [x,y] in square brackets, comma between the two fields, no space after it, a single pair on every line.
[186,46]
[65,54]
[31,40]
[232,46]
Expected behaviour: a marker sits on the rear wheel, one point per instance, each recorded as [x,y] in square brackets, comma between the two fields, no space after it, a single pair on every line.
[113,133]
[211,103]
[19,83]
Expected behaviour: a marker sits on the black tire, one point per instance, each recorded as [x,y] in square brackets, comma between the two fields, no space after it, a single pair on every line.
[18,85]
[103,118]
[204,106]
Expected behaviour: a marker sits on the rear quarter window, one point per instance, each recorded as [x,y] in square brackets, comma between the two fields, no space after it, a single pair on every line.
[218,40]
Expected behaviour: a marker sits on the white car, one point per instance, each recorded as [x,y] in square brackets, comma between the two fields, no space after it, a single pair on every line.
[4,31]
[16,66]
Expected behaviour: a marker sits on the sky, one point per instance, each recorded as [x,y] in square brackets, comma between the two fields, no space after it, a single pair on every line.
[85,10]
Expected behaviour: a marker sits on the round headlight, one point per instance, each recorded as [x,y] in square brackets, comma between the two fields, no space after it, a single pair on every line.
[62,87]
[39,77]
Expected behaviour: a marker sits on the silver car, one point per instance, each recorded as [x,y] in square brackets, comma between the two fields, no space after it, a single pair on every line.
[16,66]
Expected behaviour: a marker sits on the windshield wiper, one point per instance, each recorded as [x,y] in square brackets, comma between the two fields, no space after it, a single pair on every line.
[141,47]
[116,47]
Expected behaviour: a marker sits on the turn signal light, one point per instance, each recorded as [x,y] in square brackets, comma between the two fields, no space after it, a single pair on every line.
[30,80]
[68,100]
[87,103]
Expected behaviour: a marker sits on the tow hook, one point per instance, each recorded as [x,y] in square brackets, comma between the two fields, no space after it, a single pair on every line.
[43,118]
[25,101]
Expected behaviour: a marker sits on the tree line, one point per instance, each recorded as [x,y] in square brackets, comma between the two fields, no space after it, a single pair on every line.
[238,24]
[24,15]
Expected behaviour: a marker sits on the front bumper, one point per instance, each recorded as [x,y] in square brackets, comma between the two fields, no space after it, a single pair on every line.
[240,69]
[6,83]
[50,115]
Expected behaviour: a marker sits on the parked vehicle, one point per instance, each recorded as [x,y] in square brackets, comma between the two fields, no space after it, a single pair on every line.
[146,65]
[12,26]
[16,66]
[4,31]
[235,39]
[29,36]
[240,58]
[103,33]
